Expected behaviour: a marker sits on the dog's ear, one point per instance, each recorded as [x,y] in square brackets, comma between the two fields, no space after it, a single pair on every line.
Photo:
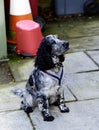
[44,60]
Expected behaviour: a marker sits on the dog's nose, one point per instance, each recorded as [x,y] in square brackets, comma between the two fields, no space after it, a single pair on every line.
[66,44]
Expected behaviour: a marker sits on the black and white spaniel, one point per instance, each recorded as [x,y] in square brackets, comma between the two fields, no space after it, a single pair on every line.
[44,86]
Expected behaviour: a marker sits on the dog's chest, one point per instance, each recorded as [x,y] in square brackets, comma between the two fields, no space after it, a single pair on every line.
[51,82]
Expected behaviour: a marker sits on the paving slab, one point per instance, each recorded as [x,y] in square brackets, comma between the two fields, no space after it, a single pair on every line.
[94,55]
[75,62]
[68,95]
[15,120]
[78,62]
[82,116]
[22,69]
[81,33]
[83,28]
[5,75]
[8,100]
[84,43]
[84,85]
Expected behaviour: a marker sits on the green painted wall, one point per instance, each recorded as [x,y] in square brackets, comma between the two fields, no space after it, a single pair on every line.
[3,45]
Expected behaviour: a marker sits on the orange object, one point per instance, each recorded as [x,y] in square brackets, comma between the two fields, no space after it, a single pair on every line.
[19,10]
[28,37]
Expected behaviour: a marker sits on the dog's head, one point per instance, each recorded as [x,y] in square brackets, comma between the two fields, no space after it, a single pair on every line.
[51,47]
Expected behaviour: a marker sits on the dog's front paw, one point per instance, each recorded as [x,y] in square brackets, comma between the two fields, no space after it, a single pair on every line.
[63,108]
[47,116]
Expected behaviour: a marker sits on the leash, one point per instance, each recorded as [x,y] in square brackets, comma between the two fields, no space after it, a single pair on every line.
[58,78]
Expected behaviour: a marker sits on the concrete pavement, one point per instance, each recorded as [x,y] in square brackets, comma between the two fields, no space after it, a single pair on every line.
[81,94]
[81,91]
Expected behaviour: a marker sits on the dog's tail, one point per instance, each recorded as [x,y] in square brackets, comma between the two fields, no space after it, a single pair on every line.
[19,92]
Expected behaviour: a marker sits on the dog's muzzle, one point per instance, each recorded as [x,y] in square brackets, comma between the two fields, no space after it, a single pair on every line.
[66,46]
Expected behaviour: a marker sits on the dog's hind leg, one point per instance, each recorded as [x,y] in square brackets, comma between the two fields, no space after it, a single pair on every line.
[43,105]
[27,102]
[27,99]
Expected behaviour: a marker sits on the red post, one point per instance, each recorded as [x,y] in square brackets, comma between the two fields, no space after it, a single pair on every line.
[34,7]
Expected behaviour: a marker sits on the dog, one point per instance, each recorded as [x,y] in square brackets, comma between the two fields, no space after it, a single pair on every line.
[44,86]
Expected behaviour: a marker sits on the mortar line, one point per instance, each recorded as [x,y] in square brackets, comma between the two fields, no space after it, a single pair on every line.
[10,110]
[91,58]
[31,122]
[72,93]
[89,71]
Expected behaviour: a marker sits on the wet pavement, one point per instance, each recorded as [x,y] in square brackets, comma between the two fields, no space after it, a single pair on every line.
[81,86]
